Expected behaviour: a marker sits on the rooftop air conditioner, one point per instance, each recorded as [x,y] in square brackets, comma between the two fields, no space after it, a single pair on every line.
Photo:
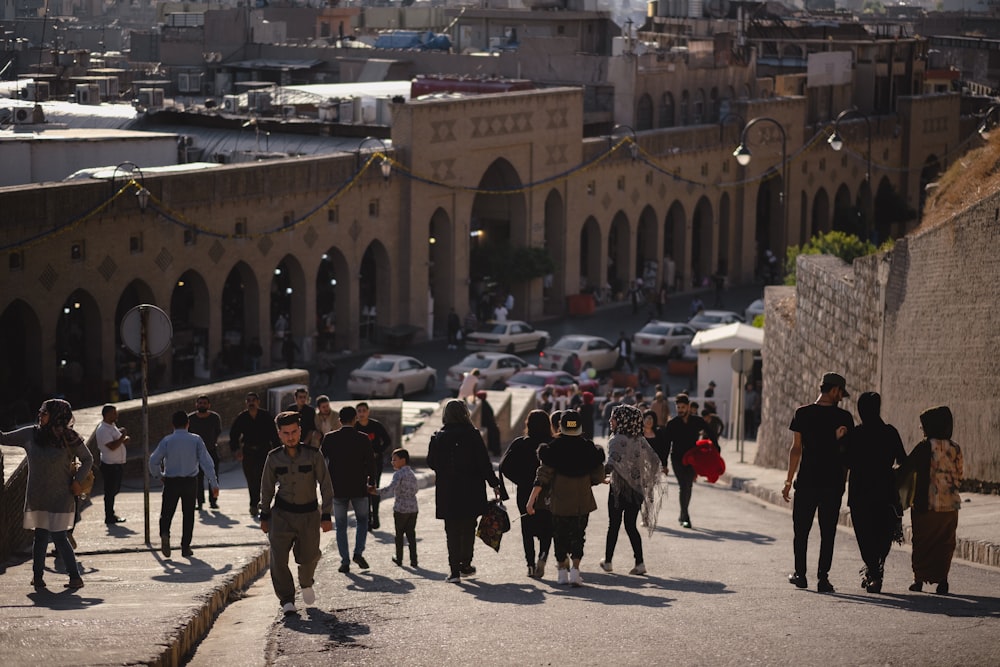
[259,100]
[22,116]
[151,98]
[88,93]
[37,91]
[231,103]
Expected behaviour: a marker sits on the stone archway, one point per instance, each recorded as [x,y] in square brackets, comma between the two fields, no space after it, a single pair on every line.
[770,221]
[441,269]
[725,245]
[644,113]
[333,298]
[190,318]
[554,286]
[135,293]
[240,320]
[21,388]
[591,251]
[78,358]
[288,316]
[620,269]
[820,213]
[675,261]
[375,290]
[702,242]
[646,242]
[844,213]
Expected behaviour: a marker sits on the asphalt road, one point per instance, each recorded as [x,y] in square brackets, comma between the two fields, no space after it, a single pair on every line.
[606,322]
[714,595]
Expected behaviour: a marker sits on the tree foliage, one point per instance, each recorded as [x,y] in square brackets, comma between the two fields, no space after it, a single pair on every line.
[847,247]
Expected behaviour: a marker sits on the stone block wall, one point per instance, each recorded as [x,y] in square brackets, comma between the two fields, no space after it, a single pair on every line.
[920,324]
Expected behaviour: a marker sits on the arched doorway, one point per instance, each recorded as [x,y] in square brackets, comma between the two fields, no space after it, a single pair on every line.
[863,207]
[288,312]
[675,264]
[725,240]
[845,216]
[240,324]
[78,351]
[702,242]
[498,224]
[135,293]
[644,113]
[440,269]
[554,284]
[375,286]
[890,212]
[590,258]
[20,365]
[619,251]
[667,110]
[820,213]
[646,243]
[769,221]
[189,316]
[332,302]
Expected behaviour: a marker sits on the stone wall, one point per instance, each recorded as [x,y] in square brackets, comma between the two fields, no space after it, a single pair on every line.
[918,324]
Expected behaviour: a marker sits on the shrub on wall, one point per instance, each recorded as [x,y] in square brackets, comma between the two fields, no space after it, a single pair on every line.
[847,247]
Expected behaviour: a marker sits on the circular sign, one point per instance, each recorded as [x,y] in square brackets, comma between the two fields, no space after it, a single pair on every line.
[742,361]
[159,331]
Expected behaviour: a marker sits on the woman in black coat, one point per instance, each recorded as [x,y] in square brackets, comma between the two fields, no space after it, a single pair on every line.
[458,456]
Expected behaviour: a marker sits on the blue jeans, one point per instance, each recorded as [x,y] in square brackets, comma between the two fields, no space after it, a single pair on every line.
[360,505]
[63,548]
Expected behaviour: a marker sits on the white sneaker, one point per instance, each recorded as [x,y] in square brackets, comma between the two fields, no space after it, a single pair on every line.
[639,568]
[563,577]
[606,566]
[289,608]
[575,580]
[308,595]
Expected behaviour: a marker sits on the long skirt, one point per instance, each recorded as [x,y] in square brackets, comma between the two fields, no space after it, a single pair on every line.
[933,545]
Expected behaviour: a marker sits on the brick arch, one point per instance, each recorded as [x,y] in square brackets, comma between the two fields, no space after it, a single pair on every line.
[20,363]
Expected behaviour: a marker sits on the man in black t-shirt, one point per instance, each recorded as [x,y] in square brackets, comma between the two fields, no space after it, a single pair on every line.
[680,434]
[817,456]
[208,424]
[378,436]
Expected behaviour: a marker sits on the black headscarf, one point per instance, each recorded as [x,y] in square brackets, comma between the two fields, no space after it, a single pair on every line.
[870,408]
[937,422]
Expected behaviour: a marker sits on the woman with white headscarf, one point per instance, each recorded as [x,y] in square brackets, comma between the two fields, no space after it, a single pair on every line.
[636,485]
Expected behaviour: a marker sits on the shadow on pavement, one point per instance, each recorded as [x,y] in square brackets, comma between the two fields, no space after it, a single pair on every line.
[378,582]
[63,599]
[188,569]
[319,622]
[613,581]
[510,593]
[716,535]
[955,604]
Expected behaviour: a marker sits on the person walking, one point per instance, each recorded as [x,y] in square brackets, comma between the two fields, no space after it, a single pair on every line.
[251,437]
[306,412]
[570,466]
[348,455]
[624,347]
[457,454]
[489,422]
[454,325]
[939,467]
[291,475]
[403,487]
[519,464]
[51,446]
[326,420]
[816,470]
[176,461]
[634,475]
[208,424]
[680,435]
[871,451]
[111,441]
[380,442]
[470,383]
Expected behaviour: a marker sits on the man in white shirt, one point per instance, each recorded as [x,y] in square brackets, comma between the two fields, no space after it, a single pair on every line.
[500,313]
[111,441]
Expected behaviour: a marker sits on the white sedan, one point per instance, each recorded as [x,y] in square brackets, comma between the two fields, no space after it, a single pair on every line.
[494,369]
[511,336]
[576,353]
[709,319]
[662,339]
[391,375]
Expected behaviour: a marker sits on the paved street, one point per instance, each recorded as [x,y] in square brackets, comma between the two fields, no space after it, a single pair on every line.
[714,595]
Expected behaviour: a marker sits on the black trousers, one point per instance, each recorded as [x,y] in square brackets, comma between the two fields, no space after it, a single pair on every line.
[376,481]
[184,489]
[807,504]
[461,535]
[685,480]
[534,525]
[112,474]
[569,533]
[253,470]
[214,453]
[873,527]
[618,509]
[406,526]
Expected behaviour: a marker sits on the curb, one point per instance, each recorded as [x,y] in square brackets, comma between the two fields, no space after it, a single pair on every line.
[980,552]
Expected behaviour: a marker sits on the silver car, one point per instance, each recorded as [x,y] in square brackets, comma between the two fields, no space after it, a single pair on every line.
[709,319]
[494,369]
[384,375]
[576,353]
[662,339]
[511,336]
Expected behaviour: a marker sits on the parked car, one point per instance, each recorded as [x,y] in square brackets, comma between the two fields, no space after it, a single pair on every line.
[384,375]
[510,337]
[576,353]
[709,319]
[753,310]
[494,369]
[560,382]
[662,339]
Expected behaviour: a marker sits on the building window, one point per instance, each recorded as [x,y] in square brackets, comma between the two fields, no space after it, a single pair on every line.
[621,183]
[332,215]
[591,188]
[76,252]
[649,178]
[704,169]
[373,208]
[135,244]
[288,218]
[190,236]
[240,231]
[16,261]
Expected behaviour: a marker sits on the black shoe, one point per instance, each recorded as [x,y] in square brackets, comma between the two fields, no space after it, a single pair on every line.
[165,545]
[413,562]
[467,570]
[114,519]
[373,523]
[37,583]
[187,552]
[213,503]
[686,524]
[917,586]
[398,560]
[200,506]
[824,586]
[344,567]
[942,588]
[798,580]
[874,586]
[360,560]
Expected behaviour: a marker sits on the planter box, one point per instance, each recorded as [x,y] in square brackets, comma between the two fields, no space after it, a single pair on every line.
[682,367]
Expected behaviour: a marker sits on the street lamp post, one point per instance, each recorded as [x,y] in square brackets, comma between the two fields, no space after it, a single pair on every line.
[385,166]
[837,143]
[142,195]
[728,116]
[633,148]
[742,155]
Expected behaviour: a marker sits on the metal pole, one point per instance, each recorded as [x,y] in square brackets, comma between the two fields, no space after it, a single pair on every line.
[740,435]
[144,322]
